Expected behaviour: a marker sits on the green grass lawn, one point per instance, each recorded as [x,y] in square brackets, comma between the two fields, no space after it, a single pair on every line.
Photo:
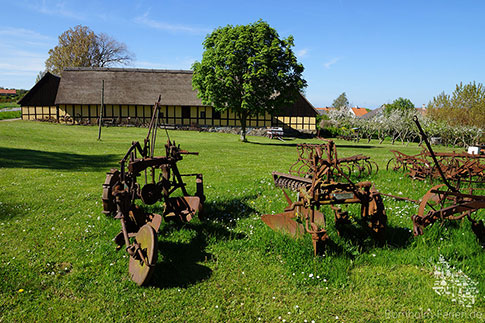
[58,262]
[10,115]
[9,105]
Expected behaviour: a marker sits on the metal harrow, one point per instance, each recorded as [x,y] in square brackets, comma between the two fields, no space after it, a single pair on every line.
[314,176]
[446,202]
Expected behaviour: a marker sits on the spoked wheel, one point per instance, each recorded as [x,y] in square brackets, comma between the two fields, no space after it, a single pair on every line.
[142,265]
[393,164]
[430,202]
[373,167]
[109,202]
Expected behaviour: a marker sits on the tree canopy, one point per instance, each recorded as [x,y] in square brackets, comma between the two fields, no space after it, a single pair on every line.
[248,70]
[81,47]
[401,105]
[465,106]
[341,102]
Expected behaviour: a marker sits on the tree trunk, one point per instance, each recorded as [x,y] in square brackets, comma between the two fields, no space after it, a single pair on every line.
[242,118]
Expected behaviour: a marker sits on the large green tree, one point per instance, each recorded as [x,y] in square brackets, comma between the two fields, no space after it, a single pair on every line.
[248,70]
[401,105]
[464,107]
[81,47]
[341,102]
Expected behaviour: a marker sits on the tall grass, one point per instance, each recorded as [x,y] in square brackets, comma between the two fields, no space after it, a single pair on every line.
[58,261]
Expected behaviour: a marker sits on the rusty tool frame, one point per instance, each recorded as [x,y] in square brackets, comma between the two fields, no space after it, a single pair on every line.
[457,167]
[440,204]
[161,178]
[314,176]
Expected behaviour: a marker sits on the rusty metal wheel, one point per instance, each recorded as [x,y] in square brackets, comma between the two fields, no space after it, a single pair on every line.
[430,202]
[142,263]
[395,165]
[109,202]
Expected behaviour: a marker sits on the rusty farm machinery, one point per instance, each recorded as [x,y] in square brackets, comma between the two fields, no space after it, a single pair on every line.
[446,202]
[319,180]
[456,167]
[160,178]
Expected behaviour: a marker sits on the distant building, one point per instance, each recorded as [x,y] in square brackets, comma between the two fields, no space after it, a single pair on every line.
[129,96]
[323,110]
[358,112]
[354,111]
[7,92]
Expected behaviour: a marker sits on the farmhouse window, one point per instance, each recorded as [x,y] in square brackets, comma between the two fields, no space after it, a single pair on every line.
[186,112]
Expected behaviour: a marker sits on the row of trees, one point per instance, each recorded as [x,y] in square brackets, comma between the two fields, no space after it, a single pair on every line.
[398,125]
[465,106]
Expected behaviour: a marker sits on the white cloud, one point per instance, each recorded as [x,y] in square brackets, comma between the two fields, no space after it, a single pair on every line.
[56,8]
[302,52]
[22,56]
[145,20]
[331,62]
[179,64]
[22,33]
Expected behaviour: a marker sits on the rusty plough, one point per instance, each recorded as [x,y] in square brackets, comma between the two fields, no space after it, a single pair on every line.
[161,178]
[314,176]
[456,167]
[446,202]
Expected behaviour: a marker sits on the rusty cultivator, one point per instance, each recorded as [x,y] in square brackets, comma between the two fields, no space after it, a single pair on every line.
[457,167]
[161,178]
[314,176]
[446,202]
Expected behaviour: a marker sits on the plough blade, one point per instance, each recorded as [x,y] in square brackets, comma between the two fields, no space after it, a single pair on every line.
[284,222]
[183,207]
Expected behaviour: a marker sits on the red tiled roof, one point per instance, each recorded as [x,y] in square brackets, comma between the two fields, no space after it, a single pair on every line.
[359,112]
[2,91]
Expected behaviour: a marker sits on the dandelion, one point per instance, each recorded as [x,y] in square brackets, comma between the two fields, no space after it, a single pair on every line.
[217,306]
[21,290]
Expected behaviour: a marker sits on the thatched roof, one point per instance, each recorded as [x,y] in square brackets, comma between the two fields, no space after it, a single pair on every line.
[129,86]
[43,93]
[126,86]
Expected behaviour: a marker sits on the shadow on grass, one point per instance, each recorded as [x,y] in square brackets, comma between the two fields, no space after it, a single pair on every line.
[28,158]
[230,211]
[364,239]
[9,211]
[278,143]
[357,146]
[183,263]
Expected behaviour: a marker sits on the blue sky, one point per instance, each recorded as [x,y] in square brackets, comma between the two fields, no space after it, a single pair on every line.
[375,51]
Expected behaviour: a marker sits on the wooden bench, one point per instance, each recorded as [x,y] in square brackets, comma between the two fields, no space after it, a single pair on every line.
[275,133]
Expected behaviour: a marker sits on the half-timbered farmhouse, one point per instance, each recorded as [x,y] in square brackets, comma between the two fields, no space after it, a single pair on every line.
[128,96]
